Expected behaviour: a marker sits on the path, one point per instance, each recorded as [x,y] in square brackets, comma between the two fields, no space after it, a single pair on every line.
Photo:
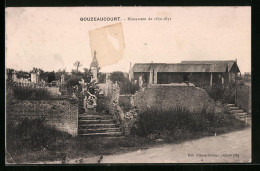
[232,147]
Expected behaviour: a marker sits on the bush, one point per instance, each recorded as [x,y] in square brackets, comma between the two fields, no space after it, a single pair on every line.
[117,76]
[73,81]
[125,103]
[177,122]
[221,94]
[103,104]
[127,87]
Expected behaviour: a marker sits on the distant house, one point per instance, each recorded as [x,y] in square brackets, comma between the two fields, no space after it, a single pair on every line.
[198,72]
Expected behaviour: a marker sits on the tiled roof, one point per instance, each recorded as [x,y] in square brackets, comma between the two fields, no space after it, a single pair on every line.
[185,66]
[229,63]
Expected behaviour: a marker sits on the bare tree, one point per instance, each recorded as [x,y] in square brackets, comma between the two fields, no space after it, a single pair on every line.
[77,64]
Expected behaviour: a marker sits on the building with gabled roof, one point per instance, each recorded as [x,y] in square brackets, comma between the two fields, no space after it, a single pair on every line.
[197,72]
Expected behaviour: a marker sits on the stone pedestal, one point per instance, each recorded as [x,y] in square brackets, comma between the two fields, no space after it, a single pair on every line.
[90,111]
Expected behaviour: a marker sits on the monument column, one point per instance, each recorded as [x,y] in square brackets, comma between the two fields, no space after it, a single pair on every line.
[94,68]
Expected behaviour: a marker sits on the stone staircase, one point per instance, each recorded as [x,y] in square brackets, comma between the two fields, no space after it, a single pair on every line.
[98,125]
[239,113]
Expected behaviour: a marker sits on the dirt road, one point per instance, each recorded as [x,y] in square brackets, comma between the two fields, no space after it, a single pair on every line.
[234,147]
[225,148]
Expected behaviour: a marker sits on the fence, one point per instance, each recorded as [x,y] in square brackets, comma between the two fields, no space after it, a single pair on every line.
[38,91]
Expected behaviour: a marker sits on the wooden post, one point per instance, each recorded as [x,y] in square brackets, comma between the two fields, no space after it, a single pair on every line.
[211,79]
[155,77]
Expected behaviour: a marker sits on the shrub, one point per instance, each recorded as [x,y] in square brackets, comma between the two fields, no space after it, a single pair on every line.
[103,104]
[101,77]
[127,87]
[117,76]
[125,103]
[176,122]
[73,81]
[221,94]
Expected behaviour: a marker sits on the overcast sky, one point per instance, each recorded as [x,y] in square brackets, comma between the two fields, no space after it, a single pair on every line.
[54,38]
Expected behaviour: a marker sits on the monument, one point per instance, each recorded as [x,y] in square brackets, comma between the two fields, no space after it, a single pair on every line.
[90,100]
[94,68]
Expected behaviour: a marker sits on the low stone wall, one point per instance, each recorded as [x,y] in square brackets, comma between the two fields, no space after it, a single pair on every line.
[58,113]
[243,99]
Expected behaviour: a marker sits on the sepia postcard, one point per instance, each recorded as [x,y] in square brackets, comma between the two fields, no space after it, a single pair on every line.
[100,85]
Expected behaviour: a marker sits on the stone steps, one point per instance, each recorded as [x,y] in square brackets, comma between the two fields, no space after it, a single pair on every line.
[239,113]
[233,108]
[98,125]
[231,105]
[236,111]
[109,125]
[109,134]
[82,116]
[97,121]
[98,130]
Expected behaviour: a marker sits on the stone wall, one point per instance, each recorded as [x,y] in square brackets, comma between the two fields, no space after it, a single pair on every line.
[58,113]
[243,99]
[166,97]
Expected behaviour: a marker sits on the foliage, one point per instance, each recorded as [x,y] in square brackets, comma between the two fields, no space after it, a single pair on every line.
[87,75]
[22,74]
[37,70]
[103,104]
[9,72]
[125,104]
[73,81]
[181,120]
[46,76]
[50,76]
[77,64]
[117,76]
[127,87]
[219,93]
[60,72]
[101,77]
